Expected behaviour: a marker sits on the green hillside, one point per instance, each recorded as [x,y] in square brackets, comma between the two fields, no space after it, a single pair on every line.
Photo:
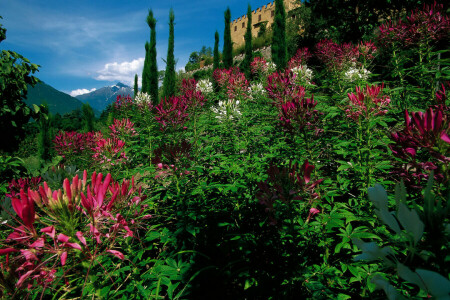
[58,102]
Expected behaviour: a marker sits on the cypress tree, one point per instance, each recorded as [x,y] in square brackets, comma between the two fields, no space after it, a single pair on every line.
[153,67]
[44,139]
[245,66]
[145,70]
[88,117]
[169,77]
[216,63]
[279,49]
[216,51]
[136,90]
[227,44]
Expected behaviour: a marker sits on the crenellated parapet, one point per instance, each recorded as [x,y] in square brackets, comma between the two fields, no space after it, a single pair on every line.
[262,15]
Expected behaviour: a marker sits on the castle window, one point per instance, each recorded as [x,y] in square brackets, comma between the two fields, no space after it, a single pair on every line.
[243,24]
[259,18]
[272,13]
[235,28]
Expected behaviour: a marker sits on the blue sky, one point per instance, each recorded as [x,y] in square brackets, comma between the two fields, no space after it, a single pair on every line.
[87,44]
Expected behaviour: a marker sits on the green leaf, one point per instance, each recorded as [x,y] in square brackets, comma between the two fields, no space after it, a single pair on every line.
[388,219]
[391,292]
[437,285]
[410,221]
[410,276]
[378,196]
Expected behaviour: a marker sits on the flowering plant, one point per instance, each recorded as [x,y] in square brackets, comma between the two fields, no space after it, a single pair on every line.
[367,102]
[79,223]
[110,152]
[122,129]
[205,86]
[287,190]
[233,82]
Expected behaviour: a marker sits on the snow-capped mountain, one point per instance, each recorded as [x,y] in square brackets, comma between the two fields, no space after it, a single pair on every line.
[101,98]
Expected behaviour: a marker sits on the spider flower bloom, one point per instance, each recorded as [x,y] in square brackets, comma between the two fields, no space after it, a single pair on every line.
[281,88]
[298,114]
[287,184]
[15,186]
[110,152]
[367,102]
[423,130]
[192,96]
[430,25]
[123,103]
[69,143]
[171,113]
[204,86]
[233,81]
[24,208]
[258,66]
[122,129]
[300,58]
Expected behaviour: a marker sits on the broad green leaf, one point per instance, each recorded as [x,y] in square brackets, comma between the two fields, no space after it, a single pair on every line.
[388,219]
[437,285]
[410,276]
[378,196]
[410,221]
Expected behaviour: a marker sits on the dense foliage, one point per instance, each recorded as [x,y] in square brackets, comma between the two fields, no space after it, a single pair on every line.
[323,180]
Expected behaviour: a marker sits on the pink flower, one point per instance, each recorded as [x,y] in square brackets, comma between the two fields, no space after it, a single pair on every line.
[24,208]
[116,253]
[367,102]
[122,129]
[300,58]
[258,66]
[171,113]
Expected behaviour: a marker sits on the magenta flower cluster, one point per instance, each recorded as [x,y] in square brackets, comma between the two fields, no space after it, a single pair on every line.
[72,143]
[122,129]
[367,102]
[429,25]
[41,240]
[258,66]
[233,81]
[428,131]
[287,185]
[300,58]
[281,88]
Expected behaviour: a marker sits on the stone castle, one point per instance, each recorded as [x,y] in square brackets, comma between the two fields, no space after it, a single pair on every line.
[262,16]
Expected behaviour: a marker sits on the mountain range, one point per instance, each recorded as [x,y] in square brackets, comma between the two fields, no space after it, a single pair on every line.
[62,103]
[101,98]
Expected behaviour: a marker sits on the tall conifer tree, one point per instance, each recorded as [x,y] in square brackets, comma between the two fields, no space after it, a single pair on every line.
[44,136]
[216,54]
[227,43]
[88,117]
[279,49]
[169,77]
[152,65]
[136,89]
[146,70]
[245,66]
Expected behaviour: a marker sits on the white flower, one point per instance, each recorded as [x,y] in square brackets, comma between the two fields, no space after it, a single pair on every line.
[271,67]
[256,89]
[303,74]
[142,98]
[354,74]
[227,110]
[205,86]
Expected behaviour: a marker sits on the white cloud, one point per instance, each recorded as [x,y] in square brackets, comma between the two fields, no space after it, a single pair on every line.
[123,72]
[78,92]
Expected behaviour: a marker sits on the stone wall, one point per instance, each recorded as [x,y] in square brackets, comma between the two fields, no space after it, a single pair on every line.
[264,14]
[265,51]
